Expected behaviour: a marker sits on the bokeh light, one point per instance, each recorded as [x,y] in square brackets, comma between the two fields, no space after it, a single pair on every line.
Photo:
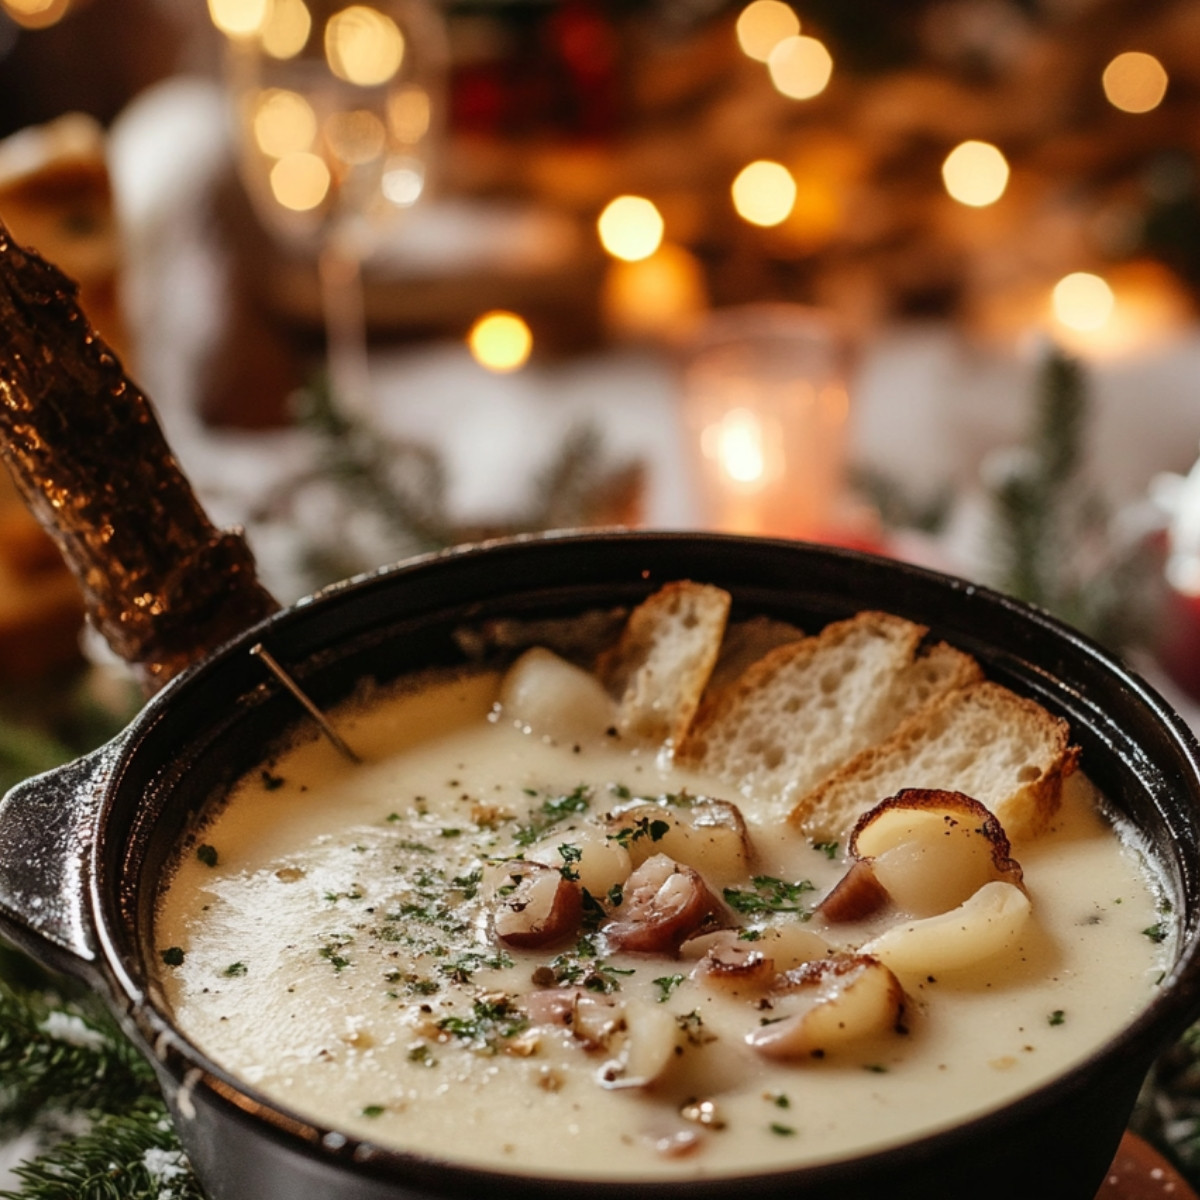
[300,181]
[764,193]
[762,25]
[287,28]
[409,112]
[656,296]
[403,180]
[800,67]
[500,341]
[35,14]
[239,18]
[1083,302]
[736,443]
[283,122]
[356,137]
[975,173]
[1135,82]
[630,227]
[363,46]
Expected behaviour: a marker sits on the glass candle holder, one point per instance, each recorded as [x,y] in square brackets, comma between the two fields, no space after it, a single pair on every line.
[765,410]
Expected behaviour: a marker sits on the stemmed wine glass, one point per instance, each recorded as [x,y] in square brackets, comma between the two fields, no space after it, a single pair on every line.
[337,106]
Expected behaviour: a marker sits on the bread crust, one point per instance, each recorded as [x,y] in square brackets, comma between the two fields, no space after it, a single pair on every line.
[802,709]
[1005,750]
[659,668]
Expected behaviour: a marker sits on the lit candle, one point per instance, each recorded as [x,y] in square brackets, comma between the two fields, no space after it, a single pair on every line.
[765,406]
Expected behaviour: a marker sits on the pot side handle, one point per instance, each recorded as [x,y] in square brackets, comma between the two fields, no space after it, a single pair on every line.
[47,833]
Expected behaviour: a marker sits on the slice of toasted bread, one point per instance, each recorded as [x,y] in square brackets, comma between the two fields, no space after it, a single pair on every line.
[1003,750]
[803,709]
[940,668]
[745,642]
[658,669]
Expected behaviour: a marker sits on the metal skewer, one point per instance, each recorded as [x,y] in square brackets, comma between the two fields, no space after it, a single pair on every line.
[260,651]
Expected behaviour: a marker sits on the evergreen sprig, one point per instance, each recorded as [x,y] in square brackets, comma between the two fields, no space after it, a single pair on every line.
[1037,486]
[1055,544]
[133,1155]
[401,486]
[66,1055]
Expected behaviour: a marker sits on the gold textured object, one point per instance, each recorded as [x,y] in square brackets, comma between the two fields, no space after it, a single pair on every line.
[160,582]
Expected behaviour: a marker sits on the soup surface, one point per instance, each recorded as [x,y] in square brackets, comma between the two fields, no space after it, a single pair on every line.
[331,937]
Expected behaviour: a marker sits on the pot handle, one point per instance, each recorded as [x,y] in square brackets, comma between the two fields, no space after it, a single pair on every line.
[162,584]
[47,832]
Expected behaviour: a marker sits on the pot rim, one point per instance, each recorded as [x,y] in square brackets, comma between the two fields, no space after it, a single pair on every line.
[1171,1010]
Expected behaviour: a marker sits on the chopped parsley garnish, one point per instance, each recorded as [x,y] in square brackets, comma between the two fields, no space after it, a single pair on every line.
[1156,932]
[234,970]
[491,1023]
[207,854]
[1057,1017]
[593,911]
[374,1110]
[581,967]
[552,811]
[571,856]
[691,1025]
[331,952]
[666,984]
[829,849]
[769,895]
[643,827]
[782,1130]
[173,956]
[468,884]
[461,969]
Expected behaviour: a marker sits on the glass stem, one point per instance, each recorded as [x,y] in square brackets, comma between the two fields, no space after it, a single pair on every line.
[340,267]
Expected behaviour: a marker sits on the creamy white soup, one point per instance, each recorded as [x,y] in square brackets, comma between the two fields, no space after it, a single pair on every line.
[512,939]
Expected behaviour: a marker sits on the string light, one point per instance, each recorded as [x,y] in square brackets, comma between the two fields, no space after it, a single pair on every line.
[630,227]
[300,181]
[36,14]
[239,18]
[655,296]
[764,193]
[800,67]
[1083,302]
[975,173]
[355,138]
[500,341]
[1135,82]
[283,122]
[363,46]
[287,28]
[762,25]
[409,114]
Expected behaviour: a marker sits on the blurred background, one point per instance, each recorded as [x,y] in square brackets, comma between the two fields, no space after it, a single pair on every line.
[918,278]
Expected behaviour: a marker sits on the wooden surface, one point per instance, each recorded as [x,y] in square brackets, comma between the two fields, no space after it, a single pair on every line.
[1139,1172]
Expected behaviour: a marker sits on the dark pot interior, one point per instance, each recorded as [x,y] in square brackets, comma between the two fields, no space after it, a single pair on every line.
[213,724]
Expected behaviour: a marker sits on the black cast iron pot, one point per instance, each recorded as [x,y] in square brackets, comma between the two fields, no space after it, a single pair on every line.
[82,849]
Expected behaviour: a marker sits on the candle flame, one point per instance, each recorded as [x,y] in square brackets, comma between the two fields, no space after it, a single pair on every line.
[736,444]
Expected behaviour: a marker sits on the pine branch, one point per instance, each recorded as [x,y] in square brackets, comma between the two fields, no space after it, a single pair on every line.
[1035,496]
[133,1155]
[63,1056]
[402,482]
